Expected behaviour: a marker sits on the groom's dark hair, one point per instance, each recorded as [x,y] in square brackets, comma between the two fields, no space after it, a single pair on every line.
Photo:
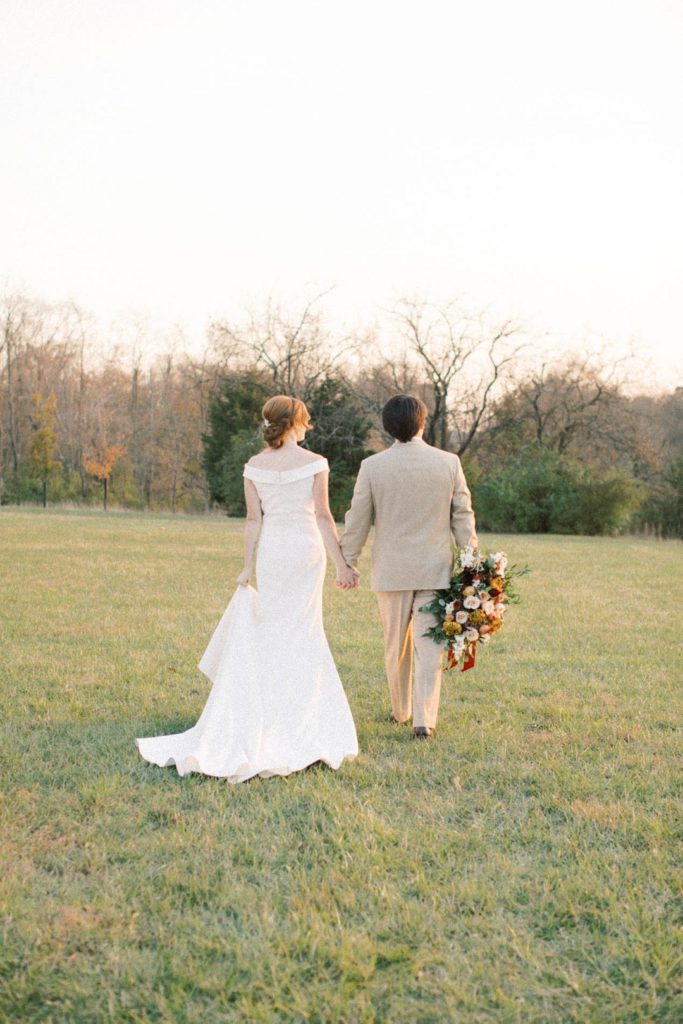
[403,416]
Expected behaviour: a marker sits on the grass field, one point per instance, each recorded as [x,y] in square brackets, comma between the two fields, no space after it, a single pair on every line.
[522,867]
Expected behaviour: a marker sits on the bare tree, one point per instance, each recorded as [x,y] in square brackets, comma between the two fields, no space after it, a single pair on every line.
[576,405]
[445,342]
[18,328]
[35,339]
[295,351]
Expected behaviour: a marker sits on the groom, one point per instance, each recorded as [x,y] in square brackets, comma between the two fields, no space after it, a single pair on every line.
[418,500]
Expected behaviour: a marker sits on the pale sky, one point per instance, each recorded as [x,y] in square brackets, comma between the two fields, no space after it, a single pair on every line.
[182,158]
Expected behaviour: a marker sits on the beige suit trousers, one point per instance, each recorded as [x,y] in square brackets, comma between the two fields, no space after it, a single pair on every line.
[404,644]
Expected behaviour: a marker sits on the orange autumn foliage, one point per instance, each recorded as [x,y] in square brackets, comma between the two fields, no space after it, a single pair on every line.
[100,463]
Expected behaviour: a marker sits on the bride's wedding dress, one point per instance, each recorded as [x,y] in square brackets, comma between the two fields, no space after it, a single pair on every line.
[277,702]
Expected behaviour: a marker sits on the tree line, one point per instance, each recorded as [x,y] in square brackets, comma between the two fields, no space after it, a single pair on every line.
[559,445]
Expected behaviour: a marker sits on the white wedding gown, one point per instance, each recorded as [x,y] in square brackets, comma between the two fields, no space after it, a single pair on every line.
[277,703]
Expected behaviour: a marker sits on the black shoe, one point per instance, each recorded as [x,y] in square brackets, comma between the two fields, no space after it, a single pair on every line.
[422,732]
[396,721]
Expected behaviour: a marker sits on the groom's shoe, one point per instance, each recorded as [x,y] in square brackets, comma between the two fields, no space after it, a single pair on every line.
[422,732]
[396,721]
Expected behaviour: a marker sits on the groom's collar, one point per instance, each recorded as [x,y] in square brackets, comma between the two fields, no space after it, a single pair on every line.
[413,440]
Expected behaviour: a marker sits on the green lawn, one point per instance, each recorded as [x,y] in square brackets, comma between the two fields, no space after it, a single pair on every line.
[519,868]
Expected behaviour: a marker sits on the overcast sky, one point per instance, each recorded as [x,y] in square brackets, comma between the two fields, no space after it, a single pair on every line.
[181,158]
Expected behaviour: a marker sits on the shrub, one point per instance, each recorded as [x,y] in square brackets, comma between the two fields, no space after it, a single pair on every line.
[662,510]
[541,491]
[606,504]
[21,487]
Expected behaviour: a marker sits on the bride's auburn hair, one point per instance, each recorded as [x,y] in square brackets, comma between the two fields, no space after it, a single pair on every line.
[280,414]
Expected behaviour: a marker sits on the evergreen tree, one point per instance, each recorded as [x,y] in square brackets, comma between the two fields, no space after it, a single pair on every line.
[234,419]
[340,431]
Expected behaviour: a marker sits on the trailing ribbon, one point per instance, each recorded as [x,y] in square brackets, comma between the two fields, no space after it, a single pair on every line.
[469,658]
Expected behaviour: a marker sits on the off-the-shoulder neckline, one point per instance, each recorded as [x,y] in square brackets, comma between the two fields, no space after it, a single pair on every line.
[298,472]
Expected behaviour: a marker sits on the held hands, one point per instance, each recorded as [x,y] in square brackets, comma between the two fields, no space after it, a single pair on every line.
[347,578]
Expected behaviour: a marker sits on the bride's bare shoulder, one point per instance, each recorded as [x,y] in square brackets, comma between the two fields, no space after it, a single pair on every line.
[311,456]
[258,459]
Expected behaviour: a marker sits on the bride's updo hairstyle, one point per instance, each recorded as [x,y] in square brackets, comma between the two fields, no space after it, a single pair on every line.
[280,414]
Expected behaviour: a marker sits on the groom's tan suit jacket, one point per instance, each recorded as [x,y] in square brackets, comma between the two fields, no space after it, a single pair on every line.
[418,500]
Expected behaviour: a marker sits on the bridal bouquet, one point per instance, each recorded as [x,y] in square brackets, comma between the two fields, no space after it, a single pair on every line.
[471,609]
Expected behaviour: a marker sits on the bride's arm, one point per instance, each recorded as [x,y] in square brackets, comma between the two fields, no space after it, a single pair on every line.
[252,529]
[346,576]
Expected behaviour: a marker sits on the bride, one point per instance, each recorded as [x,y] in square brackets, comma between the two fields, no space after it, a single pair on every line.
[277,702]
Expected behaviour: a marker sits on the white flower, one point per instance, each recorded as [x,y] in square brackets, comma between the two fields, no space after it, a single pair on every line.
[498,610]
[469,558]
[461,617]
[471,602]
[471,635]
[501,560]
[487,607]
[449,608]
